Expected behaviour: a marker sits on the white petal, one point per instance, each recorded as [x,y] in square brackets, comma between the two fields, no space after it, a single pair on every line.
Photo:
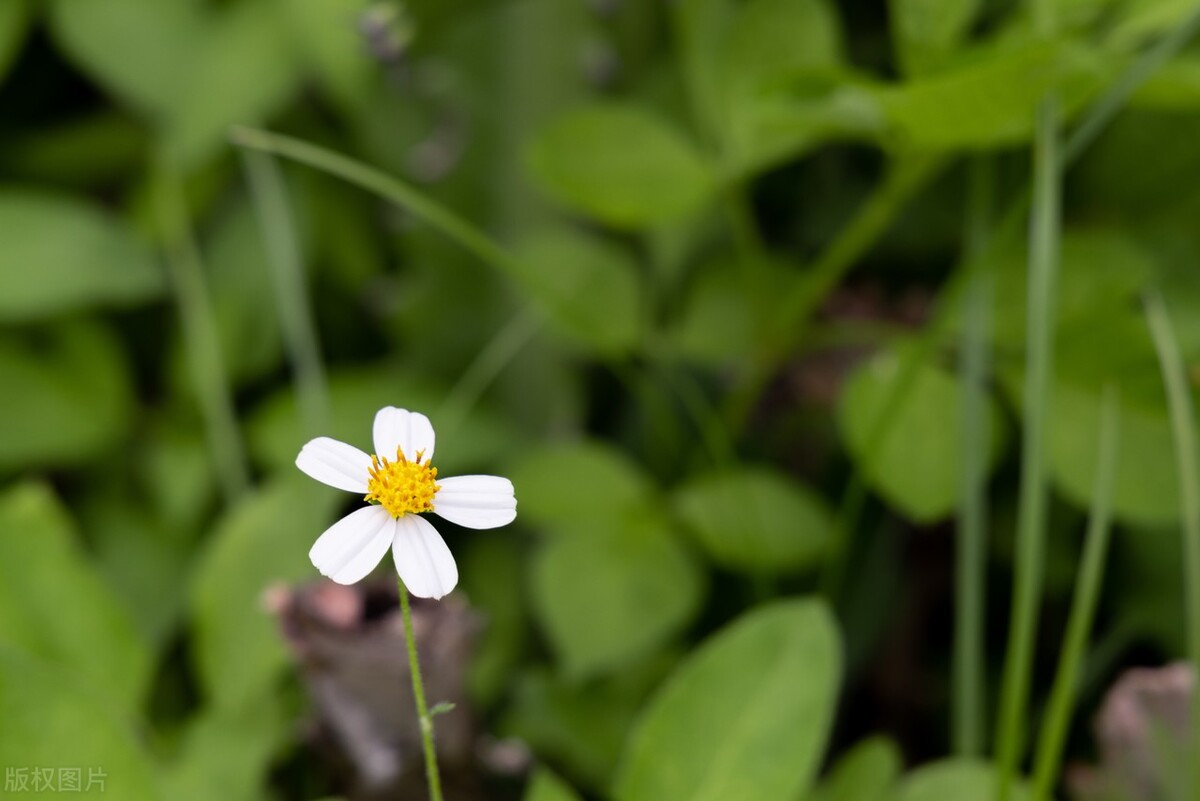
[335,463]
[351,547]
[476,501]
[411,431]
[422,558]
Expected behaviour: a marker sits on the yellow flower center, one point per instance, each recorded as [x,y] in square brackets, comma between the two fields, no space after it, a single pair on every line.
[402,486]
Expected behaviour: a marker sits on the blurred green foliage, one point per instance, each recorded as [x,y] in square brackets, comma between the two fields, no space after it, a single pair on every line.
[732,238]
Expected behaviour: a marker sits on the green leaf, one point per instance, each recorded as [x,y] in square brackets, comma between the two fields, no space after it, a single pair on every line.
[962,779]
[133,48]
[1147,488]
[611,590]
[276,432]
[587,286]
[545,786]
[14,23]
[55,606]
[623,165]
[916,462]
[328,37]
[756,519]
[61,254]
[746,716]
[50,721]
[243,72]
[926,33]
[74,400]
[864,773]
[736,59]
[265,539]
[990,100]
[489,568]
[227,753]
[563,483]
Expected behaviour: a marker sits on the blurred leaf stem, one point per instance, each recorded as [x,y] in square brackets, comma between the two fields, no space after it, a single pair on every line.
[970,575]
[1063,695]
[287,270]
[1183,425]
[1044,235]
[201,342]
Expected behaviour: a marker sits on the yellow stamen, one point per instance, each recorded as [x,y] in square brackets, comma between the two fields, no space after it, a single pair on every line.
[402,487]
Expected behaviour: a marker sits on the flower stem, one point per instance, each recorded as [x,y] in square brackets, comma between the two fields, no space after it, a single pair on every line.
[1083,605]
[424,719]
[1183,424]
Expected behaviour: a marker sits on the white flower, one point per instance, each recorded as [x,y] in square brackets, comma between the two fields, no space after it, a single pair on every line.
[399,488]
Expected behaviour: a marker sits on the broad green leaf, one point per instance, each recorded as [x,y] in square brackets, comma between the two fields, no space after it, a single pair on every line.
[962,779]
[138,50]
[1102,272]
[55,606]
[989,101]
[760,76]
[237,649]
[607,591]
[14,22]
[587,286]
[331,44]
[1175,86]
[745,718]
[756,519]
[545,786]
[61,254]
[227,753]
[74,398]
[243,72]
[1147,486]
[915,463]
[276,432]
[866,772]
[52,722]
[925,33]
[581,480]
[621,164]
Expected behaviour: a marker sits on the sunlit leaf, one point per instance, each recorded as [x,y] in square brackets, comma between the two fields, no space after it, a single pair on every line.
[961,779]
[620,164]
[62,253]
[864,773]
[747,715]
[583,480]
[608,591]
[52,722]
[926,32]
[545,786]
[915,462]
[756,519]
[54,605]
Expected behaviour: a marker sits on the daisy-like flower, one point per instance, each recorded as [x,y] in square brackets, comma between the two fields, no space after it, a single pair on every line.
[400,483]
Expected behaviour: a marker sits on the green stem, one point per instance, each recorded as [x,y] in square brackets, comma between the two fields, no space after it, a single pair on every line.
[1031,514]
[424,719]
[283,256]
[402,194]
[870,221]
[200,338]
[1183,425]
[972,518]
[1083,605]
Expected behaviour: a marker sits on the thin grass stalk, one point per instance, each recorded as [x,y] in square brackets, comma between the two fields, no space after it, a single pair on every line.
[424,718]
[201,342]
[1183,426]
[1063,695]
[970,576]
[269,194]
[1031,514]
